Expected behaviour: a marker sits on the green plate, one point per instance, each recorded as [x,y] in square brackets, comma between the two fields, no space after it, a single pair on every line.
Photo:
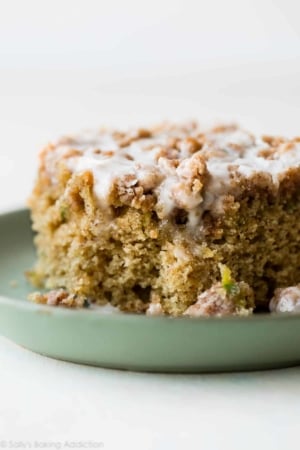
[128,341]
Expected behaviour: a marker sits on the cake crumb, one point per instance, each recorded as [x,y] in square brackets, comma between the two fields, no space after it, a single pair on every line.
[286,300]
[59,297]
[155,307]
[226,298]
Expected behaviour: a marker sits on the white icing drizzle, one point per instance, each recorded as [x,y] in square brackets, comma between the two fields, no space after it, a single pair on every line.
[108,161]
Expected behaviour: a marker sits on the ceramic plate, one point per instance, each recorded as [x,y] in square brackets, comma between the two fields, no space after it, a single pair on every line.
[129,341]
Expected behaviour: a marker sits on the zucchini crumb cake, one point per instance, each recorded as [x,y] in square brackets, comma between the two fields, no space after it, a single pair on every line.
[170,220]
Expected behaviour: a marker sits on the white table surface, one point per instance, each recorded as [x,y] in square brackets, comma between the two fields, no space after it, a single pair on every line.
[52,404]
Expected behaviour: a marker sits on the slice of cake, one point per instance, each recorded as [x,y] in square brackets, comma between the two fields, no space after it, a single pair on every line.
[152,220]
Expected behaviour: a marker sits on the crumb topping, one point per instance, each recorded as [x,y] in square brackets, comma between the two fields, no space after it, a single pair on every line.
[61,297]
[286,300]
[226,298]
[178,166]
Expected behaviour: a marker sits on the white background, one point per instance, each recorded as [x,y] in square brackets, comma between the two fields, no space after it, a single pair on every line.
[66,65]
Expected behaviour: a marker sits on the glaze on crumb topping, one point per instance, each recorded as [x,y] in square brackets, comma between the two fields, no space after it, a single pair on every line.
[171,166]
